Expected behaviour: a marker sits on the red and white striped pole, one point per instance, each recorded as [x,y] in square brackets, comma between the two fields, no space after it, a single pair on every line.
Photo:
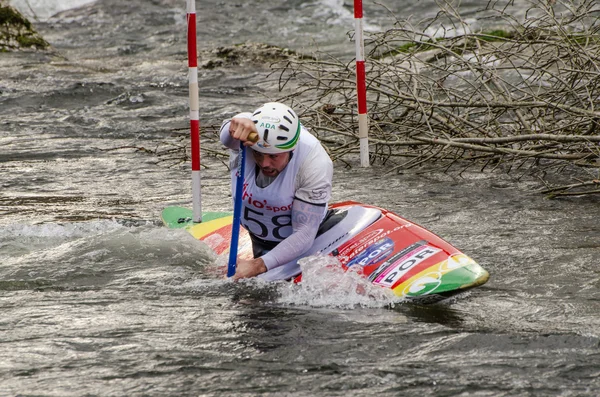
[361,86]
[194,110]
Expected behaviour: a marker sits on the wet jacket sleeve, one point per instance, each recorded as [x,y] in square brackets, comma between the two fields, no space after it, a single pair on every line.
[306,218]
[224,135]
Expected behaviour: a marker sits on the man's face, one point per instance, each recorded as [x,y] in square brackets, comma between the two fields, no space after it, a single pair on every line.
[271,165]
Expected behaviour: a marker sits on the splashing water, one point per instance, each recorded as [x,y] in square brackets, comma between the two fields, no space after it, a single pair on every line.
[326,284]
[44,9]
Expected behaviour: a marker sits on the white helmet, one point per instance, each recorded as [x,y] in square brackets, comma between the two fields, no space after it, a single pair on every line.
[278,128]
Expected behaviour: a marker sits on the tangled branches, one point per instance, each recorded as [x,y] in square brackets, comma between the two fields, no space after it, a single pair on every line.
[525,94]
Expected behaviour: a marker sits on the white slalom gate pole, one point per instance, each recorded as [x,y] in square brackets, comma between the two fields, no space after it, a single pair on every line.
[361,86]
[194,110]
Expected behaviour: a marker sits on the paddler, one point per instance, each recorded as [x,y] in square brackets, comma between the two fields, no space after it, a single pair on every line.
[287,186]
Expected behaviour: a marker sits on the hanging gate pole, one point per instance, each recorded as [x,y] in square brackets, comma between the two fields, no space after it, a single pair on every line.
[194,110]
[361,86]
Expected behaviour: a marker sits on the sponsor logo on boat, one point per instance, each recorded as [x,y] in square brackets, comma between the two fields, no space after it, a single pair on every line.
[399,265]
[427,283]
[332,243]
[353,249]
[374,253]
[352,245]
[393,259]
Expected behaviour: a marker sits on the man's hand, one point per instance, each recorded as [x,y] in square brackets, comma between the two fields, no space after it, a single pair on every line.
[241,128]
[246,268]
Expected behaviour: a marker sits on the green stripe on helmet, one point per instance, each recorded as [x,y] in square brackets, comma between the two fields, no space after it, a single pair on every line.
[292,142]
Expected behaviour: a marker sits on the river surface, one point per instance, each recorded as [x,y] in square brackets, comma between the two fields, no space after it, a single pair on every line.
[97,298]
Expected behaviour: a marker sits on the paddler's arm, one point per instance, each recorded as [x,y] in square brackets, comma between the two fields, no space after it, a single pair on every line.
[313,191]
[236,129]
[246,268]
[306,218]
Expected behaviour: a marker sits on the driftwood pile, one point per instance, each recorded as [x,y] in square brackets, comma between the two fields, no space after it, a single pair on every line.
[524,96]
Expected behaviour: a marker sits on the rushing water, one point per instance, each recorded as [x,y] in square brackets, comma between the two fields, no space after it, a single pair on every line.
[97,298]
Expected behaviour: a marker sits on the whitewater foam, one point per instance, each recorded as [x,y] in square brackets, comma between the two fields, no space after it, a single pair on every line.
[43,9]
